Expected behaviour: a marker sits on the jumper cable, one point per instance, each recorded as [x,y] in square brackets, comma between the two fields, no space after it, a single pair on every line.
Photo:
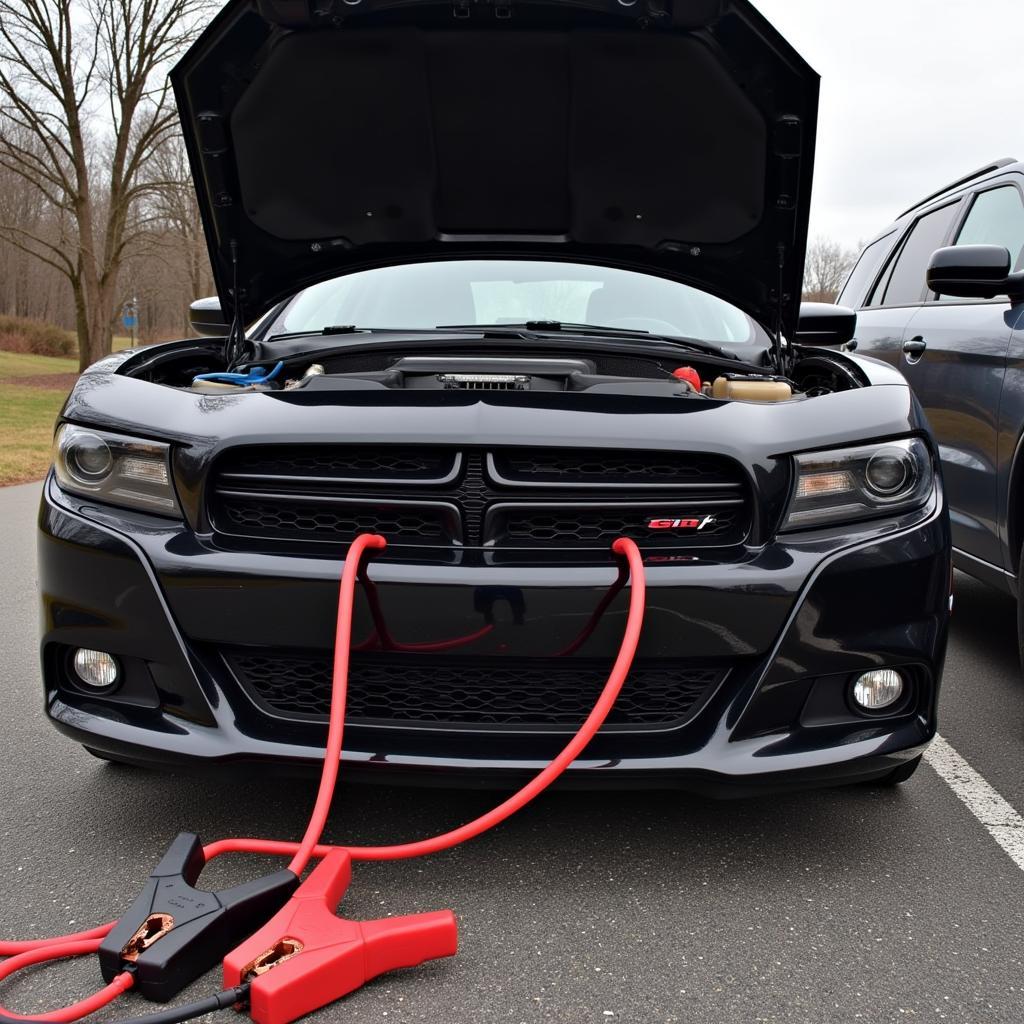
[23,954]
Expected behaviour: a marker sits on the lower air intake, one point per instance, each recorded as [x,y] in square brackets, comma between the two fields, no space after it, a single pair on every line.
[488,694]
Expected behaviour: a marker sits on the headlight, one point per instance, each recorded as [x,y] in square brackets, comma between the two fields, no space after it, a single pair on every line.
[116,469]
[860,483]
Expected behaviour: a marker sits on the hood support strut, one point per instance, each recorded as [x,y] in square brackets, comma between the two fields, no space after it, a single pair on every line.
[235,343]
[778,352]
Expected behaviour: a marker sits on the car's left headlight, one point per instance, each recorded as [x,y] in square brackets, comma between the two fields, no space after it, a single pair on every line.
[870,480]
[120,470]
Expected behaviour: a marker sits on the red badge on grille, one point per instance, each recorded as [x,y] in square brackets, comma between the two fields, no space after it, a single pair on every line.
[680,524]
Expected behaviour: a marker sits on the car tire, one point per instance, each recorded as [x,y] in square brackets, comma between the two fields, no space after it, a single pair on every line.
[101,756]
[899,775]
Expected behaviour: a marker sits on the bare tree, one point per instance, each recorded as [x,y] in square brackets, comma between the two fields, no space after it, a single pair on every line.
[828,264]
[84,105]
[178,208]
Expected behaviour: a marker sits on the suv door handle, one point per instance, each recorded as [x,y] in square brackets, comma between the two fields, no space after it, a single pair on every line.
[915,347]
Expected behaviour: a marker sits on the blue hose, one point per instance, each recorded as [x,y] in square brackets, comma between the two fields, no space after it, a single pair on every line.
[254,375]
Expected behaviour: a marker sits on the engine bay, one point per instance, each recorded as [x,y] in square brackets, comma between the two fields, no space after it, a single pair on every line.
[387,368]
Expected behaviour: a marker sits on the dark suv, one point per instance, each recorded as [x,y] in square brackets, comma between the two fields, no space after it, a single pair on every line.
[940,296]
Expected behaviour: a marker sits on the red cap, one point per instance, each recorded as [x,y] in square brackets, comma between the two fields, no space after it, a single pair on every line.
[690,375]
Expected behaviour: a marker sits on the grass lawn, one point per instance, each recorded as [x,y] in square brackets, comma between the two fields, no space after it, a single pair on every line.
[29,404]
[28,411]
[15,364]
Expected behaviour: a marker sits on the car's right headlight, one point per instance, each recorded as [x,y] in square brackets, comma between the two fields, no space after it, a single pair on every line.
[120,470]
[871,480]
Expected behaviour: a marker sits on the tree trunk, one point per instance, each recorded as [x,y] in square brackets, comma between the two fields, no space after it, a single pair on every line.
[95,299]
[81,324]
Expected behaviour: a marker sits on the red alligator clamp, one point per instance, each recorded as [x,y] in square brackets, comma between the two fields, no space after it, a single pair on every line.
[306,956]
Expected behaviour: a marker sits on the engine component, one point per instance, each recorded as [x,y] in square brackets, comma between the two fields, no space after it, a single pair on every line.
[476,373]
[313,370]
[254,375]
[690,376]
[484,381]
[751,389]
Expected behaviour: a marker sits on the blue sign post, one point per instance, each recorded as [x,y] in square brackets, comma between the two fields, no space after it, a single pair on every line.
[130,318]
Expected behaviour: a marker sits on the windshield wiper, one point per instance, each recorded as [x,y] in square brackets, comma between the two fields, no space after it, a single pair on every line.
[522,330]
[542,327]
[329,330]
[589,330]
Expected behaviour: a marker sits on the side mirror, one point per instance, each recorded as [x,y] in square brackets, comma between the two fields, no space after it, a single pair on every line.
[973,272]
[207,318]
[824,324]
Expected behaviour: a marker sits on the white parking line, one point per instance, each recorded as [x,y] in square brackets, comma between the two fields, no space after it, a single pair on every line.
[1001,821]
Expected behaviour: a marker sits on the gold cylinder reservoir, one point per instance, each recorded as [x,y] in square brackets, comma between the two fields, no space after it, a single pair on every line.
[751,390]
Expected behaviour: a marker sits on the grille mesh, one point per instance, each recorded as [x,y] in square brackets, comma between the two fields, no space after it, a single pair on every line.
[350,462]
[600,526]
[429,690]
[282,520]
[568,465]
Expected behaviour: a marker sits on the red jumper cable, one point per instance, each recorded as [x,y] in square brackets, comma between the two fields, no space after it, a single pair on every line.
[376,946]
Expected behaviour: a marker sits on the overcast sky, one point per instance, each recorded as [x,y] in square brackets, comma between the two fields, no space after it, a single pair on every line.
[914,93]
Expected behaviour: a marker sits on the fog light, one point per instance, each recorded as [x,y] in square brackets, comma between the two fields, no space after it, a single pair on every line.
[96,669]
[880,689]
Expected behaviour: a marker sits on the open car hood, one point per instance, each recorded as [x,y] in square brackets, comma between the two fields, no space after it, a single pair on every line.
[674,137]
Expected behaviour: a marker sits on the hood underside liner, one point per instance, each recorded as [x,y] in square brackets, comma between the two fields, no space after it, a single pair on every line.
[398,136]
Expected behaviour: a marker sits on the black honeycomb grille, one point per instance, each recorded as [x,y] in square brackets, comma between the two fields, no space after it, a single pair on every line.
[356,462]
[486,693]
[578,526]
[312,520]
[602,467]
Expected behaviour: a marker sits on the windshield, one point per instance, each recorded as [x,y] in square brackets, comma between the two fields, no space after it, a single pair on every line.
[470,292]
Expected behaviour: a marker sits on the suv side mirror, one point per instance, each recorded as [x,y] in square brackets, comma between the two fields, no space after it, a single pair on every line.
[973,272]
[824,324]
[207,318]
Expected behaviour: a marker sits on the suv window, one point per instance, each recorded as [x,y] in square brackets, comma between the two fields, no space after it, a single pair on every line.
[863,274]
[996,218]
[903,284]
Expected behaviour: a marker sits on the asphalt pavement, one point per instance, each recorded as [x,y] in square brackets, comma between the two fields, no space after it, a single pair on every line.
[844,905]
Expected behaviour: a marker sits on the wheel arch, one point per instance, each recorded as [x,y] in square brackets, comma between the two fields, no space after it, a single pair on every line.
[1014,529]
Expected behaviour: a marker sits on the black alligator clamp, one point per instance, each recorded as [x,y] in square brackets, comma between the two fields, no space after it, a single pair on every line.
[174,932]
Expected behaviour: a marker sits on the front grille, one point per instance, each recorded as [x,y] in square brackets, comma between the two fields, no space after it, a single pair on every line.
[584,525]
[334,463]
[602,468]
[503,498]
[286,517]
[489,694]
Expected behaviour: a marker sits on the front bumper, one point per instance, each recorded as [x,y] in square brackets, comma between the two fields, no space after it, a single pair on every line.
[794,621]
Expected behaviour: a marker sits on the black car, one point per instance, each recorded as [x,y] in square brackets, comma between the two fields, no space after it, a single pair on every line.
[517,282]
[940,296]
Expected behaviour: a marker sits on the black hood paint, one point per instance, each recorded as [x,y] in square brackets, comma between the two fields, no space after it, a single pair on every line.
[328,136]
